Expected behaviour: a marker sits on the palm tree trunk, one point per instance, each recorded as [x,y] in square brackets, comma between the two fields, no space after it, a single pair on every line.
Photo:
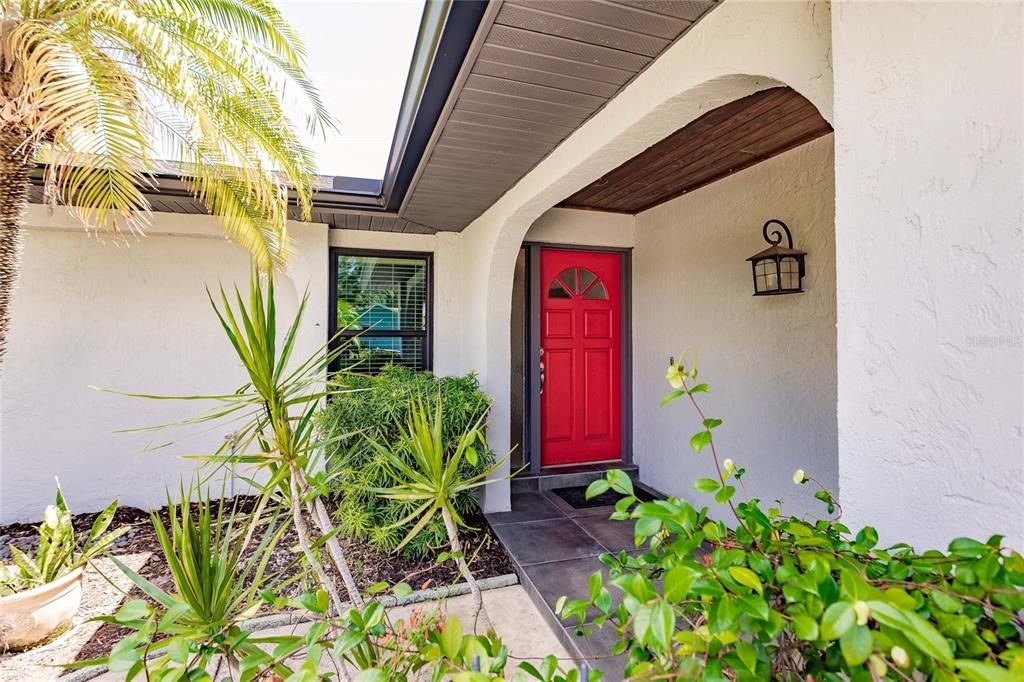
[474,589]
[15,166]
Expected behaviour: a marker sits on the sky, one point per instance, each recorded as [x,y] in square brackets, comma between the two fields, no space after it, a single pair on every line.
[358,54]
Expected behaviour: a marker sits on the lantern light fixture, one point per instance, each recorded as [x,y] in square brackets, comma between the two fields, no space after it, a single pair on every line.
[778,269]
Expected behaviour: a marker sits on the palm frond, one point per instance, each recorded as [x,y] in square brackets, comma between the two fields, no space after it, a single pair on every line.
[111,85]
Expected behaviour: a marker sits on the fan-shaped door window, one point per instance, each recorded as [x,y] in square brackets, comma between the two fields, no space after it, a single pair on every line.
[574,282]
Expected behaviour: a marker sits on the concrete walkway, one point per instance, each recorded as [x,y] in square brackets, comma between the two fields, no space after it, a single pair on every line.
[556,548]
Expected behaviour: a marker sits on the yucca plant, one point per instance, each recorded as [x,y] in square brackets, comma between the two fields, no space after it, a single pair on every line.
[59,551]
[272,415]
[99,90]
[433,481]
[219,582]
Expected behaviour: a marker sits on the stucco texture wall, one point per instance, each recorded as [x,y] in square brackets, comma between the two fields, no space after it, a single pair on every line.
[929,111]
[770,361]
[132,317]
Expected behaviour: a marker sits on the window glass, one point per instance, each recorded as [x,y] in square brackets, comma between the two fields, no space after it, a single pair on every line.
[382,310]
[597,293]
[586,278]
[569,277]
[556,290]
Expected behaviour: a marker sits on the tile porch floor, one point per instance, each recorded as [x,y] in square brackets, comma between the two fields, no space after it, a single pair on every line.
[555,549]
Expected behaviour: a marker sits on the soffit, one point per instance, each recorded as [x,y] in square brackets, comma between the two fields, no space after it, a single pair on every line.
[544,67]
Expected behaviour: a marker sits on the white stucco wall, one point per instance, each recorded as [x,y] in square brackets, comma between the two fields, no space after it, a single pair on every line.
[770,361]
[739,48]
[129,317]
[583,228]
[929,182]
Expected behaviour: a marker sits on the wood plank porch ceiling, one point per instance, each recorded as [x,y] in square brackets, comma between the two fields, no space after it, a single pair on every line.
[544,67]
[723,141]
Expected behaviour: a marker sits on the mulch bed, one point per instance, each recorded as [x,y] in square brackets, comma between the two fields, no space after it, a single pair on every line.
[369,566]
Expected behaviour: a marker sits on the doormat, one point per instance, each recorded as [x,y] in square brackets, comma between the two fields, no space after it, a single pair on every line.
[576,497]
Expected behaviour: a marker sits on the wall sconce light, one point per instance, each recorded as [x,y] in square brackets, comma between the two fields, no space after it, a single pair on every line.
[778,269]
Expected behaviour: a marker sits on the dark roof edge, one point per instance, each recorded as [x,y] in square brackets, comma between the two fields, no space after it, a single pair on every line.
[461,23]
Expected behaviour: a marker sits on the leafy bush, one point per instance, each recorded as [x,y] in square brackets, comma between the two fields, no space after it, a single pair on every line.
[376,408]
[777,597]
[59,551]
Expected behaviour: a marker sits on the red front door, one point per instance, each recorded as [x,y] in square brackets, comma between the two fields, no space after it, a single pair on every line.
[581,356]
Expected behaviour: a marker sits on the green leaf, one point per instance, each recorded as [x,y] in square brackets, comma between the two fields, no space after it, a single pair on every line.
[968,548]
[923,635]
[837,620]
[725,494]
[755,607]
[706,485]
[711,532]
[598,487]
[748,654]
[678,581]
[402,590]
[672,396]
[981,671]
[377,587]
[700,388]
[856,645]
[663,621]
[372,675]
[700,440]
[805,627]
[133,610]
[123,655]
[646,526]
[744,576]
[620,482]
[451,638]
[944,602]
[712,423]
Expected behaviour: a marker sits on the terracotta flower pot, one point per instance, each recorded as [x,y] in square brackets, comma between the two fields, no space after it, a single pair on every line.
[29,617]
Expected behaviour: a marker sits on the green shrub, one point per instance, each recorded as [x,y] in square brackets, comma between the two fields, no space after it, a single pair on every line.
[376,409]
[766,596]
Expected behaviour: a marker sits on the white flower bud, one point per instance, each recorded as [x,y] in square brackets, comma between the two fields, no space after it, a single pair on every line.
[728,466]
[863,611]
[799,477]
[899,656]
[50,517]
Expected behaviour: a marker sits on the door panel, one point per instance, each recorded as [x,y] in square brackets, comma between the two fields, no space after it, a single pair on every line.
[581,352]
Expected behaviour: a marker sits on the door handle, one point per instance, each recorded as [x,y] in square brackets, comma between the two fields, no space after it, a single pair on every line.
[542,371]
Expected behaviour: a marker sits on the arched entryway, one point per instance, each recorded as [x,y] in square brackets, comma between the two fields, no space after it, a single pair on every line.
[715,64]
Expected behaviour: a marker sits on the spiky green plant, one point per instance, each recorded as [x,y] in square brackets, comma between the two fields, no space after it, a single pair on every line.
[432,478]
[273,418]
[59,551]
[100,90]
[219,580]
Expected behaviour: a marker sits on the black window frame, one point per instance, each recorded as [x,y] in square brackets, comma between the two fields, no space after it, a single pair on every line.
[333,336]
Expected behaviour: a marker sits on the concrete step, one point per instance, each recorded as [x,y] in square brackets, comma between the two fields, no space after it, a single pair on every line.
[568,477]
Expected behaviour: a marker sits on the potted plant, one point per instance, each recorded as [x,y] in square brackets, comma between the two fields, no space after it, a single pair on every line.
[40,594]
